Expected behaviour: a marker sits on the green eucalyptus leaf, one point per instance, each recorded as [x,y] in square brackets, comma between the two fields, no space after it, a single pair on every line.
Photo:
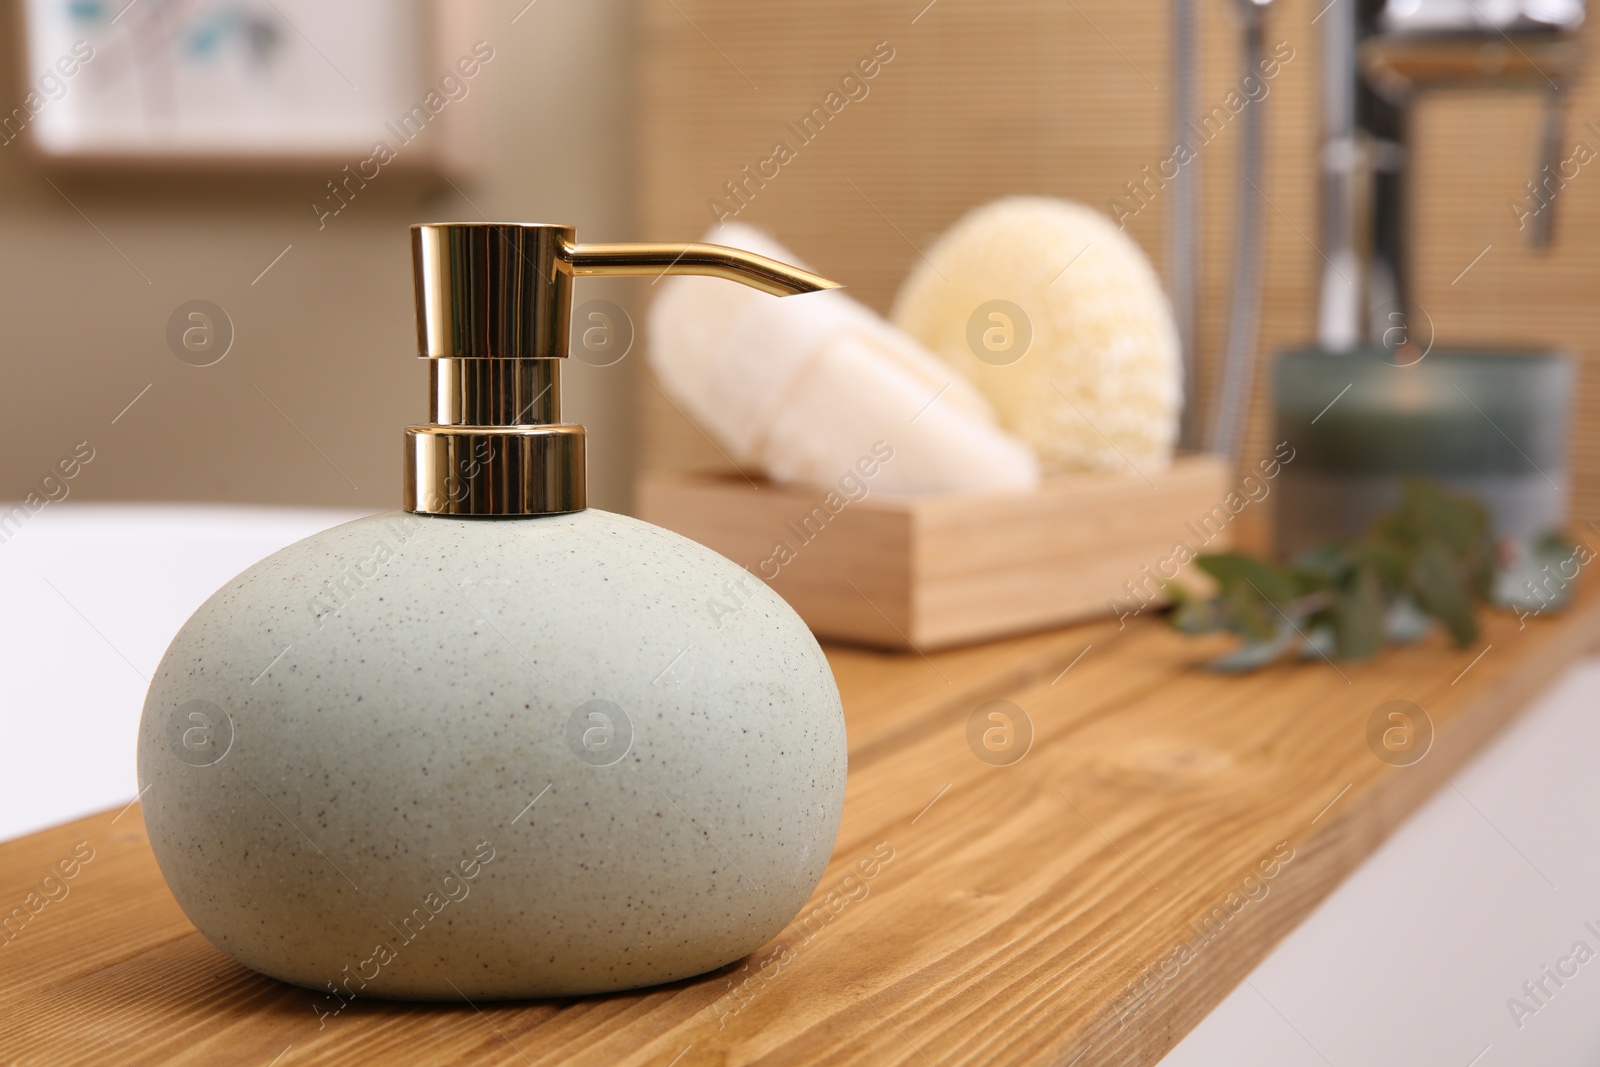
[1248,612]
[1322,571]
[1269,580]
[1441,592]
[1357,617]
[1386,560]
[1324,561]
[1431,557]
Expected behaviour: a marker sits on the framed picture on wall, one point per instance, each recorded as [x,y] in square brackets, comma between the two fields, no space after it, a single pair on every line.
[251,81]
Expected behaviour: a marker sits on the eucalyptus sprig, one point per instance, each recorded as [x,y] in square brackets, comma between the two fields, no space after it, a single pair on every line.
[1431,559]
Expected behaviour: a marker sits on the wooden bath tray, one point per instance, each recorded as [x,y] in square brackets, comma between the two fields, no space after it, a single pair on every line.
[931,572]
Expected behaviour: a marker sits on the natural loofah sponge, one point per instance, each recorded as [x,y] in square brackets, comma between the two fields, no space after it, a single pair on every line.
[1098,384]
[807,386]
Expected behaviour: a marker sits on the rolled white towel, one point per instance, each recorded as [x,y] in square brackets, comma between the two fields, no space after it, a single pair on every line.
[805,387]
[1099,384]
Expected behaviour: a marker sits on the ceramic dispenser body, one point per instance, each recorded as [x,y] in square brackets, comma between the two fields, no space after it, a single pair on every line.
[434,755]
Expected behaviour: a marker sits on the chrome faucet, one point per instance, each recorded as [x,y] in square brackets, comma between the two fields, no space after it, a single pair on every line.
[1378,55]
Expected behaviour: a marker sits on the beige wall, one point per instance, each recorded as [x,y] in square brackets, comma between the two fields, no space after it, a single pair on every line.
[328,333]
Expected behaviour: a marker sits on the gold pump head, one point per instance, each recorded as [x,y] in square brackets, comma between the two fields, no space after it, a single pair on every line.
[493,304]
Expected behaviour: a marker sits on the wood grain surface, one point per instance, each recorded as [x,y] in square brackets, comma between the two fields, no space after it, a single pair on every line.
[1087,903]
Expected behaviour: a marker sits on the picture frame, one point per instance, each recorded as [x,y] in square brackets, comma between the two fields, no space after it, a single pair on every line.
[250,84]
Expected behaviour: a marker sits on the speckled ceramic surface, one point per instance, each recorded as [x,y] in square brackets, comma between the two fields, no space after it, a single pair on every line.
[432,758]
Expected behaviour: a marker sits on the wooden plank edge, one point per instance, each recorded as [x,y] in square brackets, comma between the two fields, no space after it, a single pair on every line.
[1347,836]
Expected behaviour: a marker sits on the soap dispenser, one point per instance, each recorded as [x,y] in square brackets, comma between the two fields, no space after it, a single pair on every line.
[496,744]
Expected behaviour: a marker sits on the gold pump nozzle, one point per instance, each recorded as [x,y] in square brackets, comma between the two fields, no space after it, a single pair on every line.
[712,261]
[494,302]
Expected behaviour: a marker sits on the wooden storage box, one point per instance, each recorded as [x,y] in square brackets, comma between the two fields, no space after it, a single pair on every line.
[928,572]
